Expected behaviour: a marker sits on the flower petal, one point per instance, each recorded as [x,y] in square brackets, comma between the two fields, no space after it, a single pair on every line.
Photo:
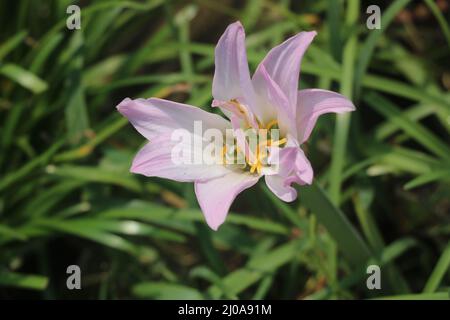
[153,117]
[277,185]
[311,103]
[294,167]
[215,196]
[276,182]
[171,155]
[283,63]
[303,170]
[232,76]
[272,102]
[156,159]
[236,109]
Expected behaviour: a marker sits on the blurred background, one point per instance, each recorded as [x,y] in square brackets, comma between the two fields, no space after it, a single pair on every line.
[381,194]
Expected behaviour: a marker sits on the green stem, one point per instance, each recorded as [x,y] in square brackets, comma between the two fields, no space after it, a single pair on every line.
[343,120]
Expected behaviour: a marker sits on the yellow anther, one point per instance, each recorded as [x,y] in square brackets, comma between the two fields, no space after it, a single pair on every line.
[258,168]
[278,142]
[271,124]
[238,106]
[224,151]
[242,111]
[256,164]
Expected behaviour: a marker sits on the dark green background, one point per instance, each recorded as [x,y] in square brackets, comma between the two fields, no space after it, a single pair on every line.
[381,192]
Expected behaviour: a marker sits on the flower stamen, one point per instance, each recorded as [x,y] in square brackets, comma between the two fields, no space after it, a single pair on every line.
[256,164]
[278,142]
[223,153]
[271,124]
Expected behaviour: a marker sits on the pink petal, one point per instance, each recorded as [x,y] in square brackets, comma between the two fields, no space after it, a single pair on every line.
[215,196]
[232,76]
[272,102]
[157,120]
[311,103]
[277,185]
[294,167]
[283,63]
[153,117]
[155,160]
[231,109]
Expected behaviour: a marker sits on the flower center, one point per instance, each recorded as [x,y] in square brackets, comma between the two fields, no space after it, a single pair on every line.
[259,143]
[258,139]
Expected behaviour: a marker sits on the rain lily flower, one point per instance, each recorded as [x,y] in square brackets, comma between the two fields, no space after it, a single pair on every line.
[267,100]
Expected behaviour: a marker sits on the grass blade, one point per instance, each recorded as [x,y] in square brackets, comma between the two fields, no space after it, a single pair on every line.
[23,77]
[440,18]
[343,120]
[25,281]
[165,291]
[439,271]
[11,44]
[413,129]
[368,47]
[427,178]
[347,238]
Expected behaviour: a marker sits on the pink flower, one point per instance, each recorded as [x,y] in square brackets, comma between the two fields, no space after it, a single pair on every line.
[268,99]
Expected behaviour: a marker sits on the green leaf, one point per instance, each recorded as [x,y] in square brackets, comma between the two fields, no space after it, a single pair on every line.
[368,47]
[97,174]
[343,120]
[415,114]
[207,274]
[44,53]
[47,199]
[388,255]
[439,271]
[7,232]
[24,281]
[151,212]
[126,227]
[427,178]
[348,239]
[77,120]
[23,77]
[10,44]
[284,208]
[401,89]
[413,129]
[241,279]
[165,291]
[91,233]
[334,10]
[22,172]
[440,18]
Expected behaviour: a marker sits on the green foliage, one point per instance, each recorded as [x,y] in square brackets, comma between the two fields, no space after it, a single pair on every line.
[382,173]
